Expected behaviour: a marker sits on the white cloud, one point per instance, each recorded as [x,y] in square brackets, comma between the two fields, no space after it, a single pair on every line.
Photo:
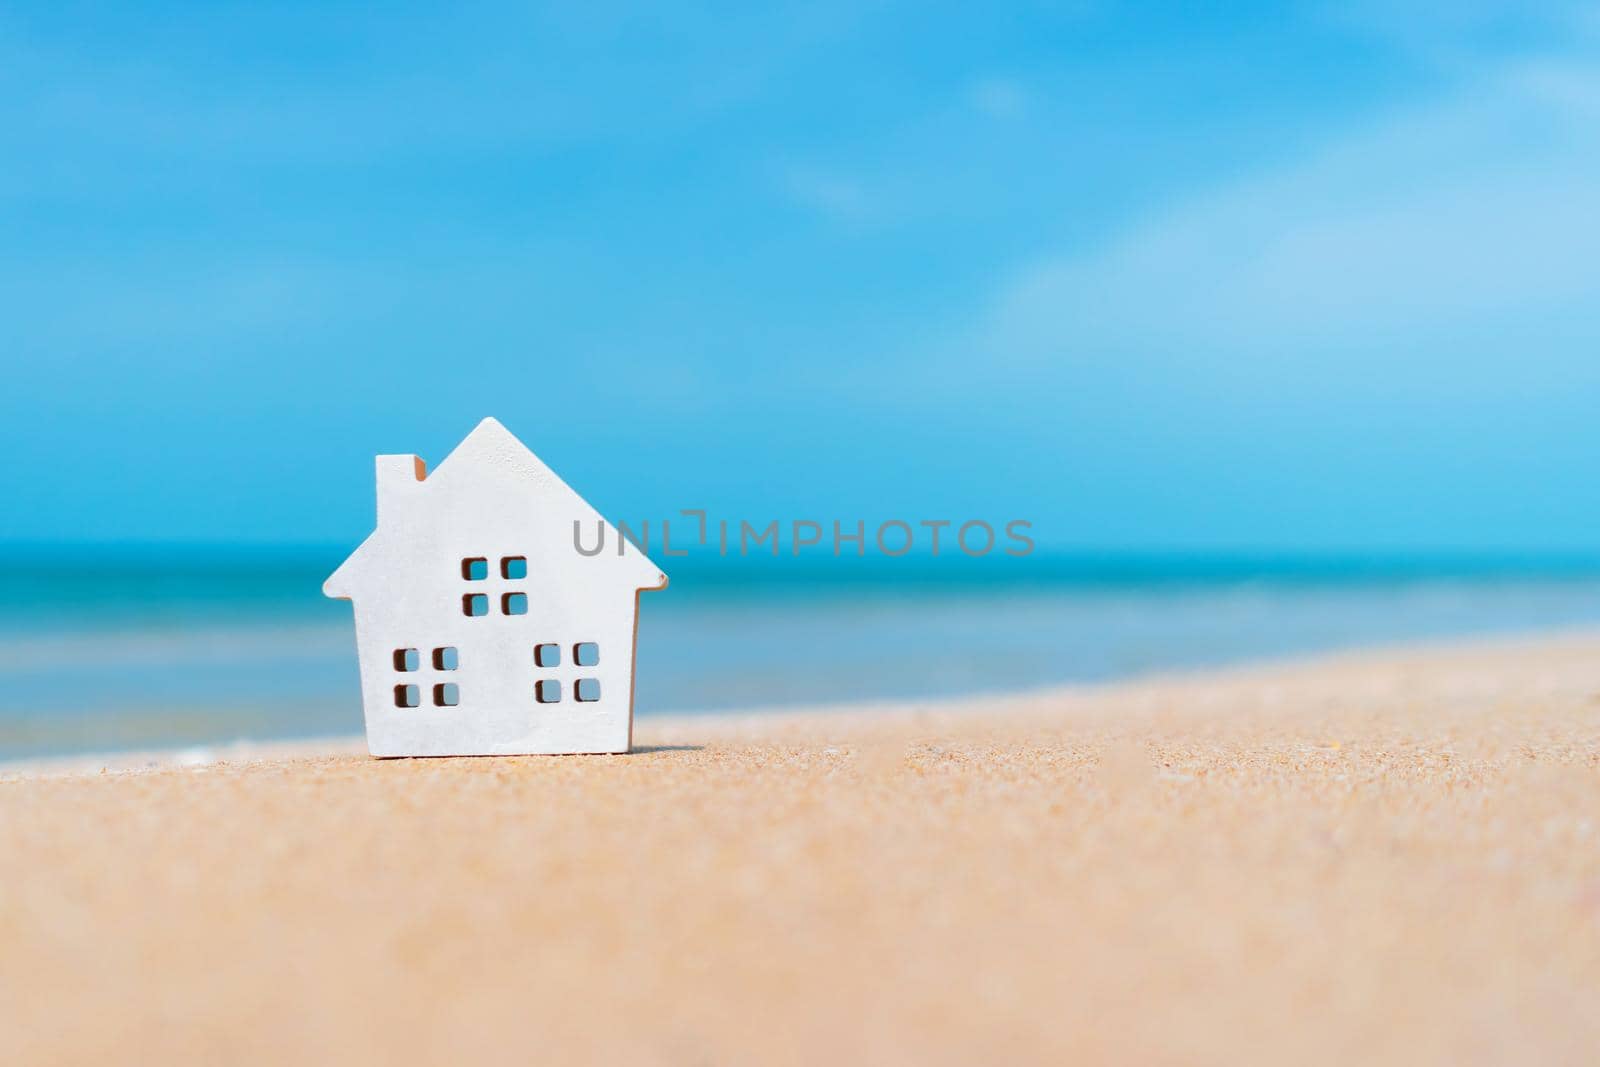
[1450,32]
[999,98]
[825,192]
[1414,239]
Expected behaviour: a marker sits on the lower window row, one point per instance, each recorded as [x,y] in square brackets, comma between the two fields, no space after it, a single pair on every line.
[448,694]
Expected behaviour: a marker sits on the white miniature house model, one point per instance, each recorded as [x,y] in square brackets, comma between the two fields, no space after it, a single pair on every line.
[480,627]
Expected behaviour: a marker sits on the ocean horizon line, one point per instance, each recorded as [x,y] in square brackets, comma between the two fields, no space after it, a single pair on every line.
[1053,565]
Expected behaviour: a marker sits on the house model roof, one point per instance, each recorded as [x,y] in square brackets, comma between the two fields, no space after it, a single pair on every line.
[491,486]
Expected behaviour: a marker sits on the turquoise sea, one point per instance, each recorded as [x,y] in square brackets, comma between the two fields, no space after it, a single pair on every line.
[116,648]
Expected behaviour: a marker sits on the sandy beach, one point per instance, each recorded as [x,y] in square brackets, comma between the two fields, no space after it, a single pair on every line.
[1388,857]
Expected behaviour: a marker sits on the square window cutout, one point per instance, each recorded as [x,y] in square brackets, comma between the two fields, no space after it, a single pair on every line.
[548,692]
[406,659]
[446,695]
[587,689]
[475,569]
[475,604]
[547,655]
[586,653]
[407,696]
[514,603]
[514,567]
[445,659]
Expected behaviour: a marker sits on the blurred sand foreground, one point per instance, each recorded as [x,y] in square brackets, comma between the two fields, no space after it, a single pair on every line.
[1385,858]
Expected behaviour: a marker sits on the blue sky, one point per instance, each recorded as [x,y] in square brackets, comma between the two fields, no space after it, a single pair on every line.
[1304,277]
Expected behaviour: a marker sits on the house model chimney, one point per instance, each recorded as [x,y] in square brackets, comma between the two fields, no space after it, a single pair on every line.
[398,477]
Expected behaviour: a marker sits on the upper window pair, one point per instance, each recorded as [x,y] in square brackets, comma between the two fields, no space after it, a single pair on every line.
[512,568]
